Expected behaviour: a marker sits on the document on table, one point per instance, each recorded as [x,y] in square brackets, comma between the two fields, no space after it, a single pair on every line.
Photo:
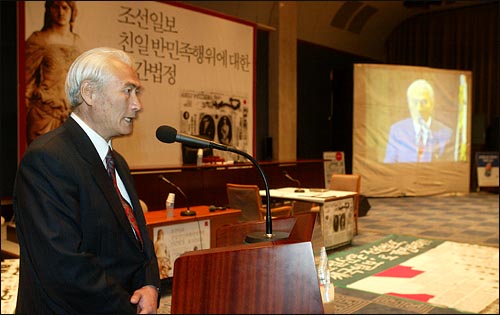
[312,194]
[323,194]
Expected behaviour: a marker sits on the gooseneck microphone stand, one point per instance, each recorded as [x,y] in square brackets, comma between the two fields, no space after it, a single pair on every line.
[188,212]
[298,189]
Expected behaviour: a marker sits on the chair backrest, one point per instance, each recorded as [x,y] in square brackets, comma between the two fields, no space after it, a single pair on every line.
[190,154]
[144,206]
[304,226]
[246,198]
[346,182]
[299,206]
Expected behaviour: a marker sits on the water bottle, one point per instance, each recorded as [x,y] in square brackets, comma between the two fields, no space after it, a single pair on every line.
[328,292]
[322,266]
[169,205]
[199,157]
[326,288]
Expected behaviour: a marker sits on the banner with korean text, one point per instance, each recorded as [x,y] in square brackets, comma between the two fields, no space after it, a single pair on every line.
[197,68]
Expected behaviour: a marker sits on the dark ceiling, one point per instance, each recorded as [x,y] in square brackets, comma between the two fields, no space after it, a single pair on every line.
[358,27]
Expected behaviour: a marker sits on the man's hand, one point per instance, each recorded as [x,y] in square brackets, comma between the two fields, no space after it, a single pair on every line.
[146,299]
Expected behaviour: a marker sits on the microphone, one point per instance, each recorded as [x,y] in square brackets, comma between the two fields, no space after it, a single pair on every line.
[169,134]
[188,212]
[294,180]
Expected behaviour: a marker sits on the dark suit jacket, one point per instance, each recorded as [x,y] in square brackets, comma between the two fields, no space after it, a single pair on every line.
[78,253]
[402,144]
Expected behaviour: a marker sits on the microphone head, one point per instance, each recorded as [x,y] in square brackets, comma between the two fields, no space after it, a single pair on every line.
[166,134]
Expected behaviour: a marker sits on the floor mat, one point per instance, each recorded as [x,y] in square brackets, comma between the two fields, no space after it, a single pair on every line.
[442,273]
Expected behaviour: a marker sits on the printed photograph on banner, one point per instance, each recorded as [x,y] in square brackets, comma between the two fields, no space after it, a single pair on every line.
[171,241]
[338,227]
[487,169]
[334,164]
[218,117]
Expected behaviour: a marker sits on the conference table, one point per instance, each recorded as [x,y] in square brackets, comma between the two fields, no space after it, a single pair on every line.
[336,211]
[158,218]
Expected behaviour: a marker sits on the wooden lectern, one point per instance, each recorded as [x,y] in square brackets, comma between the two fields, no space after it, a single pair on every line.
[260,278]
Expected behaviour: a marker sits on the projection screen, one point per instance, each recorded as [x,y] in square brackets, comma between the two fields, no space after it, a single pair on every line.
[411,130]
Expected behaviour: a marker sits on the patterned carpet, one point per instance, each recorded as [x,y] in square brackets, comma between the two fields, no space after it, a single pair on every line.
[471,218]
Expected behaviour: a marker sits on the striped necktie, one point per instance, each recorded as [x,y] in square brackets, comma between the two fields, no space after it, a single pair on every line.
[421,145]
[110,164]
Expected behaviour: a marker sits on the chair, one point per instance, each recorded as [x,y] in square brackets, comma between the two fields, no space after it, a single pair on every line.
[303,228]
[348,182]
[299,206]
[190,154]
[144,206]
[247,199]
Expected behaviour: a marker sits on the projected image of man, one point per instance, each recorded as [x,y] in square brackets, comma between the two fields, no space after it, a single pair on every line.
[419,138]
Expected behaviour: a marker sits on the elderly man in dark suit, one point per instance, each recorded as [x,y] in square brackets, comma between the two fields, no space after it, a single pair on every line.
[84,246]
[419,138]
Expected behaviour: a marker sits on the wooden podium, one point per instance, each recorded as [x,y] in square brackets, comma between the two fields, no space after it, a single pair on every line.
[260,278]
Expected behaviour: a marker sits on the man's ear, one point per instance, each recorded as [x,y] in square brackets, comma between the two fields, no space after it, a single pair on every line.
[88,92]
